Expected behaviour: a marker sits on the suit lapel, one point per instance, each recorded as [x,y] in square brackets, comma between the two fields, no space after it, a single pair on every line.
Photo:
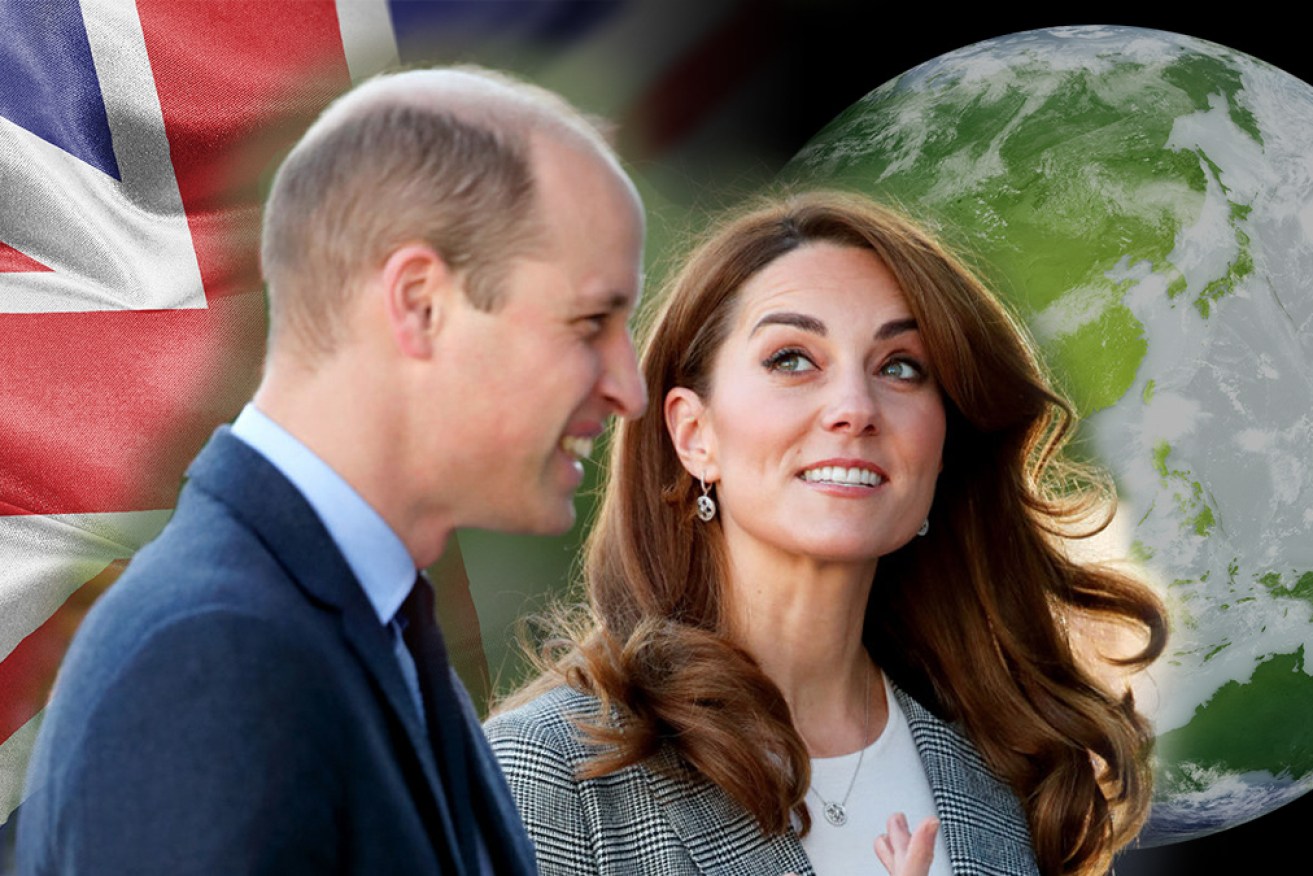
[722,838]
[267,503]
[510,846]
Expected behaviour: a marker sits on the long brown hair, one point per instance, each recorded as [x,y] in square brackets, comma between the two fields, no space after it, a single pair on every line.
[969,619]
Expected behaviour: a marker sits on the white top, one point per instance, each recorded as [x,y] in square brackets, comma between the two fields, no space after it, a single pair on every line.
[891,780]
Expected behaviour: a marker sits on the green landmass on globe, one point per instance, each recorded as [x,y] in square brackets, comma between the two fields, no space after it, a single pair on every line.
[1144,200]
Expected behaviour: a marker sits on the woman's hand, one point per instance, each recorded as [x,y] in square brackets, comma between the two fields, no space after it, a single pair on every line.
[904,853]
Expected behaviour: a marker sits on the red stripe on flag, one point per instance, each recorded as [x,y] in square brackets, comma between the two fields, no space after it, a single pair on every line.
[28,673]
[12,261]
[238,82]
[102,411]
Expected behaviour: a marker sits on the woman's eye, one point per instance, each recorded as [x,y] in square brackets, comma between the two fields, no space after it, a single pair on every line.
[902,369]
[790,361]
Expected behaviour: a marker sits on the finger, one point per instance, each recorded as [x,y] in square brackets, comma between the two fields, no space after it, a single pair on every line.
[921,847]
[885,852]
[891,846]
[898,833]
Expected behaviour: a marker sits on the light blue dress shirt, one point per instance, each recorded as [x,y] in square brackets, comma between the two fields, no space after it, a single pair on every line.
[374,552]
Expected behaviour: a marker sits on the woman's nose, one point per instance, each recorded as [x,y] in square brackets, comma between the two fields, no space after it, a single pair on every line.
[852,406]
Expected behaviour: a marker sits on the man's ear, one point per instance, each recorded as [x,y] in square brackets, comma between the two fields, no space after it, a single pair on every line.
[692,433]
[417,286]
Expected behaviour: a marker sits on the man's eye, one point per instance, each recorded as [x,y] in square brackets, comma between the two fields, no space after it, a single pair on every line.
[591,326]
[790,360]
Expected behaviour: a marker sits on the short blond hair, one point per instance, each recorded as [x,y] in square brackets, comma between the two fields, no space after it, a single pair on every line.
[438,155]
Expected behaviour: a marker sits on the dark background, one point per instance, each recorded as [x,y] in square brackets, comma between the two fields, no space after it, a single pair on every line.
[833,58]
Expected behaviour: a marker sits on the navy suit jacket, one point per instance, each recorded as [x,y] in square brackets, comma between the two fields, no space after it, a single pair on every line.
[232,705]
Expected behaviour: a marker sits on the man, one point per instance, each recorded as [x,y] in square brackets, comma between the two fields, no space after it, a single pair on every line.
[451,259]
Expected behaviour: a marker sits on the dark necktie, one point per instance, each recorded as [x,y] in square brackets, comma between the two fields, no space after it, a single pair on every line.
[444,716]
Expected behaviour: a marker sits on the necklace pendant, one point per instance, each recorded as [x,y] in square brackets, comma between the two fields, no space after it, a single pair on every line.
[835,814]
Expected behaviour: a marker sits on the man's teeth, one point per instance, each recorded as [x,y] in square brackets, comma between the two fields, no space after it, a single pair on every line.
[580,448]
[837,474]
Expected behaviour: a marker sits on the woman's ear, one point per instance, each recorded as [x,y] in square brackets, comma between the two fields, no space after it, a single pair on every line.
[689,423]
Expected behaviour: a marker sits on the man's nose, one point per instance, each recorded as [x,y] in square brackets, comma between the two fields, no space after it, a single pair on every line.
[622,384]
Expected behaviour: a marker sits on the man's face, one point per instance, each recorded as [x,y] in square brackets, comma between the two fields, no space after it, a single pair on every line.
[554,360]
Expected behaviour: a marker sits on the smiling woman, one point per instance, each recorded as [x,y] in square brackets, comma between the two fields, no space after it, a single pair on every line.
[826,579]
[819,392]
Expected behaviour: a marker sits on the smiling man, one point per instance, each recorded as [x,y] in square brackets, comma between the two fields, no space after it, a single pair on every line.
[452,257]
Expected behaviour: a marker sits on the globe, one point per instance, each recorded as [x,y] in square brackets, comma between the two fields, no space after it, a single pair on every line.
[1144,200]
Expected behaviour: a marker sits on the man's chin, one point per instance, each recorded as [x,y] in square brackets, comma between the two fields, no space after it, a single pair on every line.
[541,508]
[562,521]
[555,519]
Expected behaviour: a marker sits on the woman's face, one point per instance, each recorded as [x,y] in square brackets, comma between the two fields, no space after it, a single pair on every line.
[823,430]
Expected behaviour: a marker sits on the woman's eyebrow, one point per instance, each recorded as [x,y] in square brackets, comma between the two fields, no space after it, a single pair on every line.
[797,320]
[896,327]
[811,324]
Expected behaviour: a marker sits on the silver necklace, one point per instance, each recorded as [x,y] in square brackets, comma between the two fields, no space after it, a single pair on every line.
[836,812]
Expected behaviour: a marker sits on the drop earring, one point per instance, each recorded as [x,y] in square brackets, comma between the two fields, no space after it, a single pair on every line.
[706,504]
[925,527]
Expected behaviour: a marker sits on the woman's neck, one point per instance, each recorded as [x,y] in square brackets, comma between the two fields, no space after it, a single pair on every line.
[802,621]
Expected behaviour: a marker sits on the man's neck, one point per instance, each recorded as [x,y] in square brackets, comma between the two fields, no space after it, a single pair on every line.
[356,430]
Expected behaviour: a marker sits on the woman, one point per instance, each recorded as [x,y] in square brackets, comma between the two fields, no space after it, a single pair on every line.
[826,584]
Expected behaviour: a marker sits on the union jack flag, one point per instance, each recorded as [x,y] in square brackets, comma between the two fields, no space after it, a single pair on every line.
[134,140]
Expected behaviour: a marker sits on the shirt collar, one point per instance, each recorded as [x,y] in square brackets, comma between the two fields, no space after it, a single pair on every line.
[374,552]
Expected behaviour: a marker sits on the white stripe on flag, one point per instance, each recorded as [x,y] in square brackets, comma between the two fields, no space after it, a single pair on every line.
[47,558]
[111,245]
[367,37]
[14,754]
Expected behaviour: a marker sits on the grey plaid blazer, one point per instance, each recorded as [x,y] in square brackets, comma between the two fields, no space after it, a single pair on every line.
[658,819]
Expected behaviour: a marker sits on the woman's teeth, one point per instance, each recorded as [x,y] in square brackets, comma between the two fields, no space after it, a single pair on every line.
[848,477]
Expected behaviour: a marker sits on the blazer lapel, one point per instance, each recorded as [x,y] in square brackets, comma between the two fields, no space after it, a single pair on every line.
[983,825]
[262,498]
[722,838]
